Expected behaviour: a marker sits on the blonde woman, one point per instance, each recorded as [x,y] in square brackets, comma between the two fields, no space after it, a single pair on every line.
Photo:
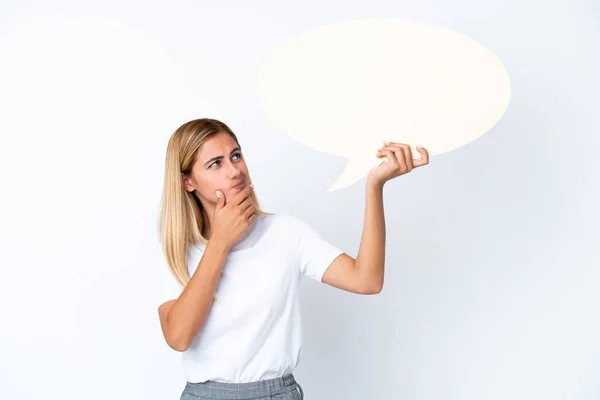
[237,319]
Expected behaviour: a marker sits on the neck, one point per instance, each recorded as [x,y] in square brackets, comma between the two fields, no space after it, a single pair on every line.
[207,224]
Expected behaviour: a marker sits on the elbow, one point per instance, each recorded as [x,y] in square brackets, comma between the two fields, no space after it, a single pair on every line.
[375,288]
[180,349]
[178,343]
[178,346]
[176,338]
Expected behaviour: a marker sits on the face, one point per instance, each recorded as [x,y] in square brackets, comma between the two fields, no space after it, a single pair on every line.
[219,165]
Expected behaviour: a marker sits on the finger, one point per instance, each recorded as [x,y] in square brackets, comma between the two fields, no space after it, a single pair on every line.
[411,161]
[407,156]
[402,145]
[241,196]
[398,158]
[249,212]
[245,203]
[390,155]
[401,156]
[220,199]
[424,160]
[404,155]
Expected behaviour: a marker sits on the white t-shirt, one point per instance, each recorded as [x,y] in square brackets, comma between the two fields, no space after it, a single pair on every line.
[253,331]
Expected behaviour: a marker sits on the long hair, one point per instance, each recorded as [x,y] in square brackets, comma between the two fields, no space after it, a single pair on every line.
[182,215]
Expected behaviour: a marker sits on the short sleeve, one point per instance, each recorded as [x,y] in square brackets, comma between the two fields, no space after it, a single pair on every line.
[314,253]
[169,287]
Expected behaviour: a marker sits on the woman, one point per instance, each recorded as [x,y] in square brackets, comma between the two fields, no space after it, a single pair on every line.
[237,319]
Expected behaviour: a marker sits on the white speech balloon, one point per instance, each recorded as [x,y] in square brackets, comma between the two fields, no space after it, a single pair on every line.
[347,87]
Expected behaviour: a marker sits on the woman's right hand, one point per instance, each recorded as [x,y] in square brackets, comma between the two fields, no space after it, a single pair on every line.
[232,217]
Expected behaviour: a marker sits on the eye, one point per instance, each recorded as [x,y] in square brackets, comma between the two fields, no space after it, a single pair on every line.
[219,161]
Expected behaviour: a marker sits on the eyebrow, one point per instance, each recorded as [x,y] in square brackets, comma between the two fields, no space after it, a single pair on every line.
[219,157]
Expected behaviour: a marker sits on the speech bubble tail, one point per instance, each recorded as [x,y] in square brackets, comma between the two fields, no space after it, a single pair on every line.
[354,172]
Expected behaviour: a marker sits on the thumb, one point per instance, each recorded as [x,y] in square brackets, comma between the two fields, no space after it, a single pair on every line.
[220,199]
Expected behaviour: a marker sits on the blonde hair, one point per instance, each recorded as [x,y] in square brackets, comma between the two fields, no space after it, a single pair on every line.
[182,215]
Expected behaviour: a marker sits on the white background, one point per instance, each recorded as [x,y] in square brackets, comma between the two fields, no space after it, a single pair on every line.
[491,287]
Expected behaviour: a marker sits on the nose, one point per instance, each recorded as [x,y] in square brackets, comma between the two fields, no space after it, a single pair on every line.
[233,171]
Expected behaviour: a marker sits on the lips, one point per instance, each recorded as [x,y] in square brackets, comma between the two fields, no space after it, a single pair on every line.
[238,186]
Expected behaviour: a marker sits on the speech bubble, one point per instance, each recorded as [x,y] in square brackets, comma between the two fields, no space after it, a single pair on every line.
[347,87]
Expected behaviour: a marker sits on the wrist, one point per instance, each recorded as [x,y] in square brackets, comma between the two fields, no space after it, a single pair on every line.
[218,246]
[374,185]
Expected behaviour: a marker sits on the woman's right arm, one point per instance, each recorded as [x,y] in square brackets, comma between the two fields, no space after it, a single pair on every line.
[182,318]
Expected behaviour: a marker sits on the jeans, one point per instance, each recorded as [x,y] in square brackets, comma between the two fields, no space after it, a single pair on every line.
[282,388]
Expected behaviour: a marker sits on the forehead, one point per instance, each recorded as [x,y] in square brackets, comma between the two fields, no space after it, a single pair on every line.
[217,145]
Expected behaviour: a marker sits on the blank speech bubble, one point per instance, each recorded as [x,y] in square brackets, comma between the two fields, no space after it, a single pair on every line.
[347,87]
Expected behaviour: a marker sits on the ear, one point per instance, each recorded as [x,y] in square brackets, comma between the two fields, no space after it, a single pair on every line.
[186,182]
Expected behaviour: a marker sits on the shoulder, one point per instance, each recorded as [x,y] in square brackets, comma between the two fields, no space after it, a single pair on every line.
[282,227]
[286,221]
[275,227]
[278,219]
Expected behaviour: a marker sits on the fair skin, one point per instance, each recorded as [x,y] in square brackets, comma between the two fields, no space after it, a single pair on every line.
[363,275]
[219,165]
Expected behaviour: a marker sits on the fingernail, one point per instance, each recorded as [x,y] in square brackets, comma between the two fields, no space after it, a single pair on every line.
[218,194]
[419,146]
[386,142]
[252,185]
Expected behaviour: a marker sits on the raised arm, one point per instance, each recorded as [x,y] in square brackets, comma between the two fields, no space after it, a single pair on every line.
[365,275]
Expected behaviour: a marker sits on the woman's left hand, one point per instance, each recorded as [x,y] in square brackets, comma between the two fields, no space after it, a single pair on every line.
[400,162]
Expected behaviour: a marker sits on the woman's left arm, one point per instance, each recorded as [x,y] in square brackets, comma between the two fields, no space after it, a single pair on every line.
[371,253]
[370,260]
